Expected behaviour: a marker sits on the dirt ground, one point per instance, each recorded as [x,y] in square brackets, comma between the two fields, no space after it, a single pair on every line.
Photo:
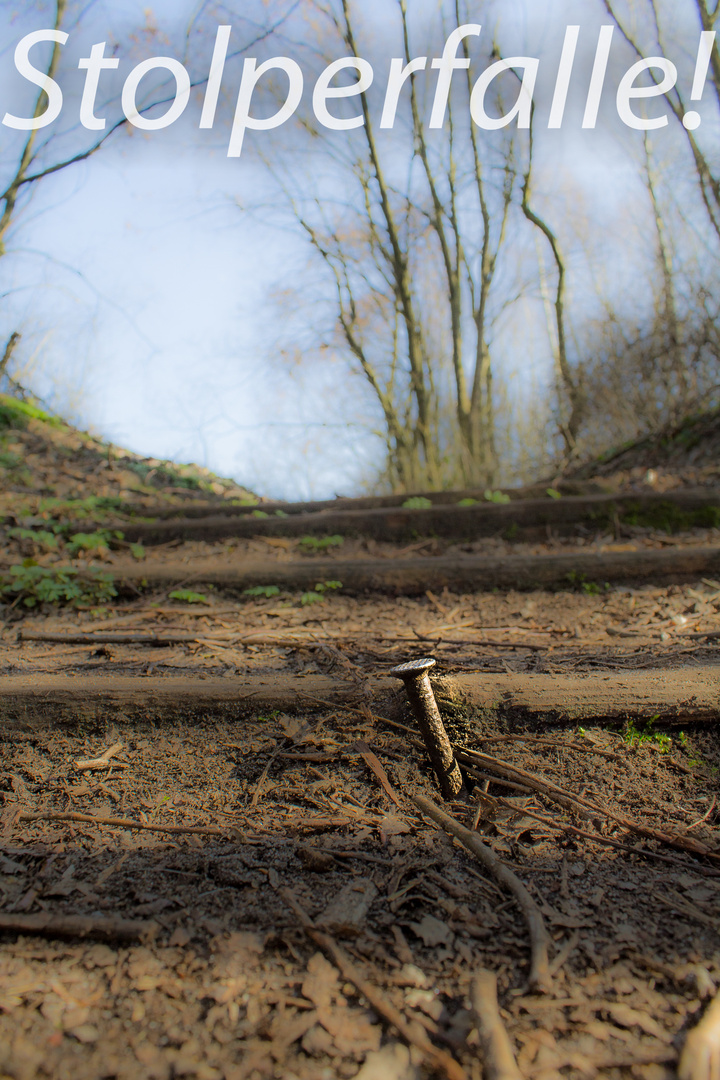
[232,988]
[263,898]
[620,626]
[231,985]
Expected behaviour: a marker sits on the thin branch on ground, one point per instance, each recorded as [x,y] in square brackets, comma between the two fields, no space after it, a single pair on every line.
[540,978]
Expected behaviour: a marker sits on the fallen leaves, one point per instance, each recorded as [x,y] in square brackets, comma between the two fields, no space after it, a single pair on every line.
[339,1027]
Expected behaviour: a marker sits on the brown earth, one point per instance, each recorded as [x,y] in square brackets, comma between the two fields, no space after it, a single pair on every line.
[223,830]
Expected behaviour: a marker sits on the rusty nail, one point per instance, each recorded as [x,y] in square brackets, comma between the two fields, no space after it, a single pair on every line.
[422,701]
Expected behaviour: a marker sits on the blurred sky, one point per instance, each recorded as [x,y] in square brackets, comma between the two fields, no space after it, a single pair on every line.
[145,295]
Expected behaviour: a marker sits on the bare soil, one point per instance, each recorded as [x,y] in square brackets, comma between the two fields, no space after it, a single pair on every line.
[231,986]
[225,835]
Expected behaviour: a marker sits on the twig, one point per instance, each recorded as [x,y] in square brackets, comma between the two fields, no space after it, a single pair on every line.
[676,902]
[598,838]
[82,926]
[586,806]
[261,782]
[434,639]
[539,938]
[225,641]
[553,743]
[103,761]
[499,1061]
[306,824]
[413,1036]
[478,775]
[565,953]
[375,766]
[526,780]
[700,1059]
[108,638]
[703,819]
[125,823]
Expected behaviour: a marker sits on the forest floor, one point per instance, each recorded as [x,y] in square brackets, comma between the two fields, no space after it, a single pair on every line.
[259,893]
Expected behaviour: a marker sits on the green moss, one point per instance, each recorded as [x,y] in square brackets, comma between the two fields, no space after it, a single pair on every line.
[17,414]
[94,506]
[9,461]
[669,518]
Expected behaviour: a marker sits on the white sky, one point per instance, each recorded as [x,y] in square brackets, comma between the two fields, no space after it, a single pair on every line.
[143,292]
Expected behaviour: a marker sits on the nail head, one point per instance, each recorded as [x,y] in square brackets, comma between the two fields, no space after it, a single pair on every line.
[413,668]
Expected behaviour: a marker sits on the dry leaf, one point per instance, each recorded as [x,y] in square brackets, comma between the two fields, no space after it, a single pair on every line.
[392,825]
[433,931]
[627,1017]
[321,983]
[391,1063]
[347,911]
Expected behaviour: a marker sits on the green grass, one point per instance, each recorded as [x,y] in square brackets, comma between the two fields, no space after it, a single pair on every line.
[417,502]
[637,736]
[17,414]
[669,518]
[35,585]
[187,596]
[78,509]
[93,543]
[581,584]
[46,540]
[320,592]
[266,591]
[9,460]
[312,543]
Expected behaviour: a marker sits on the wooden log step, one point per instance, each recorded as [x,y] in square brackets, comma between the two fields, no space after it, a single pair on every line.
[522,519]
[204,508]
[413,576]
[674,697]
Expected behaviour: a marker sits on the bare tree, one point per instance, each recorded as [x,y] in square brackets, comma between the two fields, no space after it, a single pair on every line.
[411,230]
[31,164]
[571,401]
[646,27]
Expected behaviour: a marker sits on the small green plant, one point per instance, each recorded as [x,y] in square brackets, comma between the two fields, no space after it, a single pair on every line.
[262,590]
[311,543]
[96,542]
[48,541]
[260,514]
[636,736]
[496,497]
[553,493]
[280,514]
[57,585]
[319,594]
[590,588]
[187,596]
[694,761]
[417,502]
[137,551]
[95,506]
[468,502]
[582,584]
